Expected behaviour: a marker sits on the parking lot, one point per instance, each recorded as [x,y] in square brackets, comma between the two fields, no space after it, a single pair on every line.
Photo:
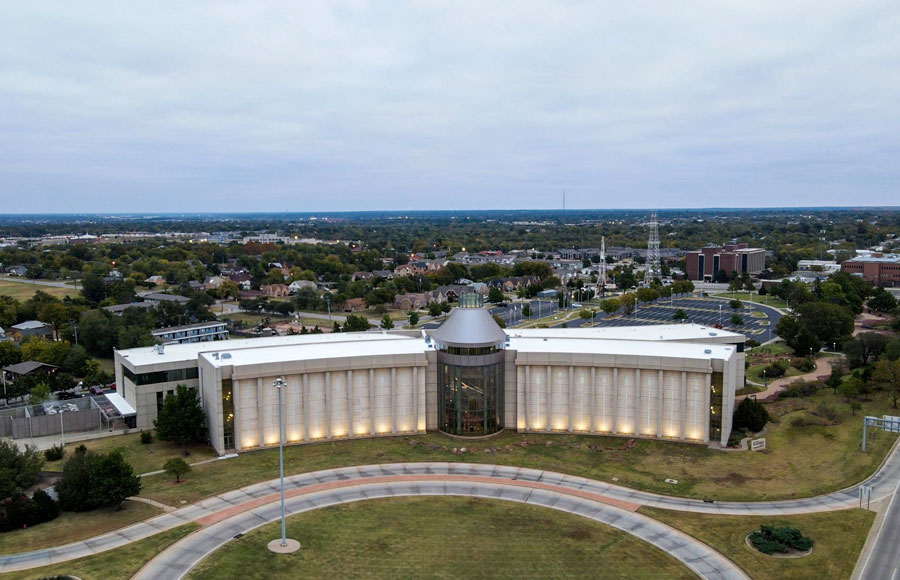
[512,313]
[759,321]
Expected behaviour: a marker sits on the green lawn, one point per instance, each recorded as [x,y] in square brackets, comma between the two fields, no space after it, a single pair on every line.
[754,297]
[838,536]
[71,527]
[115,564]
[441,537]
[143,458]
[800,462]
[24,290]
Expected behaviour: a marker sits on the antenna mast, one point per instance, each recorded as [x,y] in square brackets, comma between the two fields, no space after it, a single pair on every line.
[601,280]
[654,269]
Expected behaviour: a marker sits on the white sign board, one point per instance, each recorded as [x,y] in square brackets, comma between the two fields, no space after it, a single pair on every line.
[891,423]
[758,444]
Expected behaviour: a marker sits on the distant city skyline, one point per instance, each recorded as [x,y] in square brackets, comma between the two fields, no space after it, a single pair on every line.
[274,107]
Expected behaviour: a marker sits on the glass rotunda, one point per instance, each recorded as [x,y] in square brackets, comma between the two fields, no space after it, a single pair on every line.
[470,361]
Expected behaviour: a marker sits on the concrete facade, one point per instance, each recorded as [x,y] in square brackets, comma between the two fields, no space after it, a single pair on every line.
[629,381]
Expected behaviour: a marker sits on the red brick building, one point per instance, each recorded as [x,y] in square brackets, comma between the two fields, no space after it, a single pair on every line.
[880,269]
[732,258]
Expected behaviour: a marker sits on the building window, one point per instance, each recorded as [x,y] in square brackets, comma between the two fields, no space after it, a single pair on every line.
[715,406]
[471,399]
[160,397]
[228,413]
[161,376]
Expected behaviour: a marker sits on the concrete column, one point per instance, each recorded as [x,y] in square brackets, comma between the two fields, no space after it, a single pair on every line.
[350,403]
[615,401]
[706,400]
[593,399]
[415,399]
[235,393]
[527,393]
[260,412]
[684,398]
[548,384]
[659,403]
[423,399]
[328,405]
[393,400]
[372,430]
[306,407]
[571,398]
[637,402]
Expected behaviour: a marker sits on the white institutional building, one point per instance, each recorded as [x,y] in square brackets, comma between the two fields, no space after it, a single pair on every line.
[468,378]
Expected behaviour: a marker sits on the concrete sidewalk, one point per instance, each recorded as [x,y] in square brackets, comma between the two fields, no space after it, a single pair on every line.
[213,509]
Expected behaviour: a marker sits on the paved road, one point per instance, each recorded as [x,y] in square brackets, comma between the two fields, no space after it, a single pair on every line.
[883,562]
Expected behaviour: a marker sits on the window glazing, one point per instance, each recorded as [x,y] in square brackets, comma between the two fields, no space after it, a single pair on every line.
[228,413]
[715,406]
[471,399]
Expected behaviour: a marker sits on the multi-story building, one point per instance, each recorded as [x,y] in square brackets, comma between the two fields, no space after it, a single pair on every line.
[200,332]
[706,263]
[467,378]
[877,268]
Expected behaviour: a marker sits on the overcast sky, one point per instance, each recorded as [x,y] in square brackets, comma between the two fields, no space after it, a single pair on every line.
[314,106]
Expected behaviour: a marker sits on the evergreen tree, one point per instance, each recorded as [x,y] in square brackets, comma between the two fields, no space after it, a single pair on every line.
[181,420]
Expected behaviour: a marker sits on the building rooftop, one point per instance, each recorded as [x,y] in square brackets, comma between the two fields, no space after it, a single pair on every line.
[209,324]
[188,353]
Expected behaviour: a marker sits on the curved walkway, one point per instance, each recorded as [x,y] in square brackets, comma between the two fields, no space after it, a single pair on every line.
[216,508]
[181,557]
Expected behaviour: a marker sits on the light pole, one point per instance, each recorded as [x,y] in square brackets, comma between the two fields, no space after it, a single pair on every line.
[765,384]
[284,545]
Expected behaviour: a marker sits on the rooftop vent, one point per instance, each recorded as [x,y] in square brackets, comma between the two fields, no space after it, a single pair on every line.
[226,355]
[708,351]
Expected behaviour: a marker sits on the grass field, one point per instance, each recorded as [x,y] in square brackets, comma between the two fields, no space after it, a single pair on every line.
[24,290]
[441,537]
[71,527]
[754,297]
[838,536]
[800,462]
[143,458]
[115,564]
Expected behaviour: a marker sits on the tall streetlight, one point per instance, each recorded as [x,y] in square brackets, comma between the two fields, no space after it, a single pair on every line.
[284,545]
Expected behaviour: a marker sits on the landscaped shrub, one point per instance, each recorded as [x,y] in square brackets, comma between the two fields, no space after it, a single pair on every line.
[827,411]
[18,510]
[146,437]
[777,368]
[750,415]
[734,439]
[781,539]
[800,389]
[803,364]
[54,453]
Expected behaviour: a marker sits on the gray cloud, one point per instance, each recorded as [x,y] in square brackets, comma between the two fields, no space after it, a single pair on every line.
[387,105]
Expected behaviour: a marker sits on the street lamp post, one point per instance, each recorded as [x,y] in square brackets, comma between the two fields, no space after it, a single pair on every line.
[284,545]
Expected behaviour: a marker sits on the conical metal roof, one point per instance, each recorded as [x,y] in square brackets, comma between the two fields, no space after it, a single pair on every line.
[468,327]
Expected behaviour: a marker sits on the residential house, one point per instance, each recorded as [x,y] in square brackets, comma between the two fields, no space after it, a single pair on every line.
[298,285]
[157,297]
[275,290]
[411,301]
[213,282]
[363,276]
[23,369]
[118,309]
[29,328]
[20,271]
[354,305]
[156,280]
[385,274]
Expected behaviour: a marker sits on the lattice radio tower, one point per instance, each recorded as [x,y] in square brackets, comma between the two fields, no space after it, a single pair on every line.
[601,279]
[654,268]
